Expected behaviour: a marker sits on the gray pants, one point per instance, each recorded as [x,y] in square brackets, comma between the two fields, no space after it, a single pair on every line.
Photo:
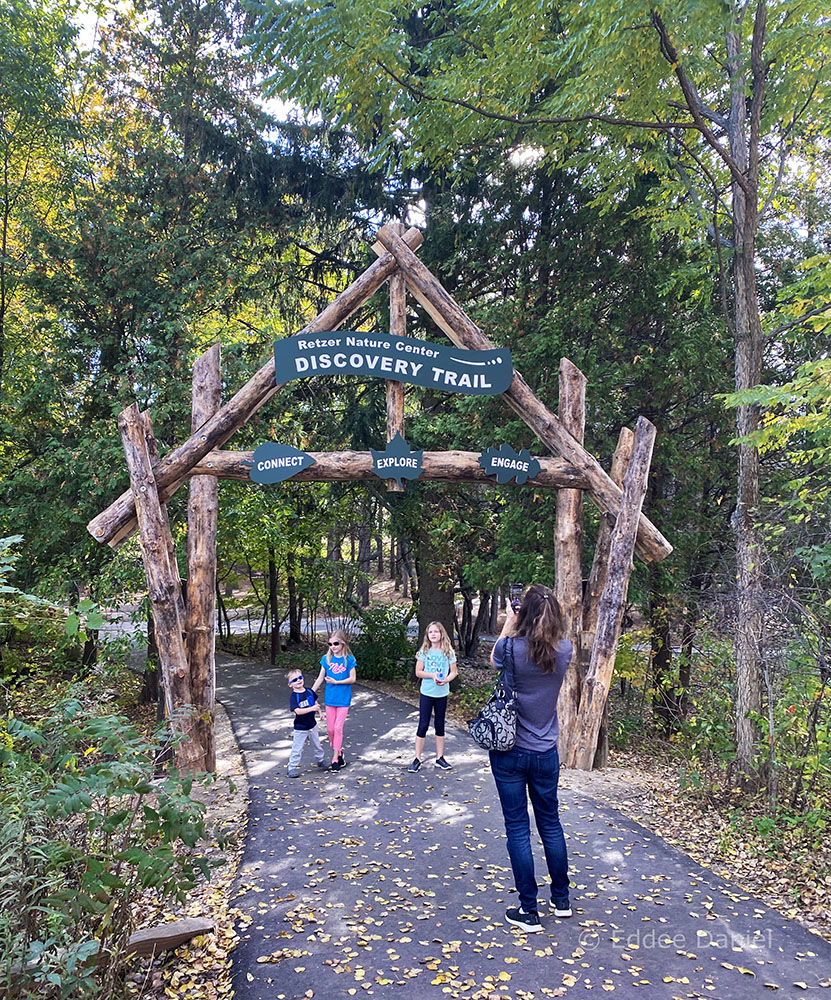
[299,741]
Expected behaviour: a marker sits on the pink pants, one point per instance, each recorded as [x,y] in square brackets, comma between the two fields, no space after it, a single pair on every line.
[335,718]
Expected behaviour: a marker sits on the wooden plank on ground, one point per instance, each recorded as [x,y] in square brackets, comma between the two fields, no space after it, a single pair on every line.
[163,937]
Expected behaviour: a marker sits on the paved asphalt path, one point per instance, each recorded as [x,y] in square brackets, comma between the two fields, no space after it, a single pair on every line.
[380,882]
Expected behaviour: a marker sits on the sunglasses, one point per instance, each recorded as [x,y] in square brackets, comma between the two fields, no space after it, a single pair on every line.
[337,642]
[294,680]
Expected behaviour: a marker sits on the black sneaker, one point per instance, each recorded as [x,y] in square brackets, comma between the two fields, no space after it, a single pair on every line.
[341,760]
[529,922]
[335,766]
[415,766]
[442,763]
[560,908]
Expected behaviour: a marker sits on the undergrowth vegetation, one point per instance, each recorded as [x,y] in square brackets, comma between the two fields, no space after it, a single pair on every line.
[86,824]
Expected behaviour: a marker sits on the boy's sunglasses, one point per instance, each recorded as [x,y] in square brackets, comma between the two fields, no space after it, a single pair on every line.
[294,680]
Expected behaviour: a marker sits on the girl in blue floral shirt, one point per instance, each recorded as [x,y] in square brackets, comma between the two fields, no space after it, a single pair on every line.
[436,666]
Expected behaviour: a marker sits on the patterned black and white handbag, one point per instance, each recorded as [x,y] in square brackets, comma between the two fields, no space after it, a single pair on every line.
[494,728]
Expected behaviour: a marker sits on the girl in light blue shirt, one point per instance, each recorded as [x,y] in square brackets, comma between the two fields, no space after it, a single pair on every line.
[436,666]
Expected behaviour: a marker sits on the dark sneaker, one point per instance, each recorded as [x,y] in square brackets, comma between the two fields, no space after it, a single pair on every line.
[294,773]
[561,908]
[341,760]
[529,922]
[442,763]
[321,763]
[415,766]
[335,766]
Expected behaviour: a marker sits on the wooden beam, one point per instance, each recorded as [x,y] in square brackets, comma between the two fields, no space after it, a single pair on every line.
[342,466]
[162,584]
[163,937]
[119,519]
[463,332]
[568,551]
[613,601]
[395,390]
[203,515]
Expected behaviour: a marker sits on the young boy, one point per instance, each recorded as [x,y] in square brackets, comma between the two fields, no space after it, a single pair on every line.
[303,702]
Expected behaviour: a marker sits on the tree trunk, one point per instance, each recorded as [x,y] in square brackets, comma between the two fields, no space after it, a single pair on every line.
[435,592]
[748,370]
[295,634]
[272,607]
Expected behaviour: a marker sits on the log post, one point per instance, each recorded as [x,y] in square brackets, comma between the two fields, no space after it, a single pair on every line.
[463,332]
[600,564]
[568,551]
[613,600]
[398,328]
[203,514]
[597,580]
[163,586]
[115,523]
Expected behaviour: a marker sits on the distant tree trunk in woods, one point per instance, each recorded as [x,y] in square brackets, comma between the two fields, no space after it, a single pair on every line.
[494,611]
[151,688]
[272,607]
[295,632]
[364,563]
[435,593]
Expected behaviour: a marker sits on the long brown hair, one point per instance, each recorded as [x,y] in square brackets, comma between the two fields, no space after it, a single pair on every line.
[540,622]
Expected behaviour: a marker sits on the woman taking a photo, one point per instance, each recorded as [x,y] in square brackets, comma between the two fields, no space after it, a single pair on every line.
[531,769]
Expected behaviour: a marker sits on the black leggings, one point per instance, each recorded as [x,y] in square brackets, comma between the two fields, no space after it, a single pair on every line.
[426,707]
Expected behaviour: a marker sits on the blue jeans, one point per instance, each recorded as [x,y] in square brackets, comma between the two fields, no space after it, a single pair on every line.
[519,774]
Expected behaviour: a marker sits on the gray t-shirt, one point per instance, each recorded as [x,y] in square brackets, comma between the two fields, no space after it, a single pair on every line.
[537,693]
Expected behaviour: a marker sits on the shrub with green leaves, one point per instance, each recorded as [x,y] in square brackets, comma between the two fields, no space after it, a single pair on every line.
[382,649]
[85,826]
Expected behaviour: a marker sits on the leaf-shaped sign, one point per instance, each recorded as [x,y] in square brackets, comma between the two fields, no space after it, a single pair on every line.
[507,464]
[397,461]
[275,462]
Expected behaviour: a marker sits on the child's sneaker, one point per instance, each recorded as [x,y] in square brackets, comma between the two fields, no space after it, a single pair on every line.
[529,922]
[415,766]
[293,772]
[442,763]
[321,763]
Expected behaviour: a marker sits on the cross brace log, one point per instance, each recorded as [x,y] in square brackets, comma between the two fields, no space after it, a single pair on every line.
[119,519]
[463,332]
[342,466]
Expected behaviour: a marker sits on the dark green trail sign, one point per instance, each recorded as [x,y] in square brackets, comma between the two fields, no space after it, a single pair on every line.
[402,359]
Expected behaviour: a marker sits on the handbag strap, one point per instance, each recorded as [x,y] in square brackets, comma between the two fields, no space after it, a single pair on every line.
[508,666]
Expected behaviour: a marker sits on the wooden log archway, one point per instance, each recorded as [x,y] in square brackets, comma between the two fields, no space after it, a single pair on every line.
[185,625]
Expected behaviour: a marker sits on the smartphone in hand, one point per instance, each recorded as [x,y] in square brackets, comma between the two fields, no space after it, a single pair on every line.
[515,592]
